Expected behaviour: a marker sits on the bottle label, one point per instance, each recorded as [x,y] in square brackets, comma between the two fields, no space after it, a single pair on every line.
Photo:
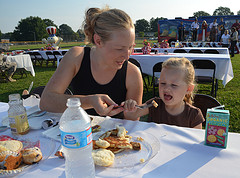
[77,139]
[19,124]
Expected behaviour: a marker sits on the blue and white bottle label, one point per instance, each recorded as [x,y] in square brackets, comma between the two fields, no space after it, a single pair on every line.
[76,140]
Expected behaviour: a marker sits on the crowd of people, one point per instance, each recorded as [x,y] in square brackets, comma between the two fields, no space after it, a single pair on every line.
[218,32]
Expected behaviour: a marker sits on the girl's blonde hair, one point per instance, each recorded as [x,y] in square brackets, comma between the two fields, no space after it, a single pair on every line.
[103,22]
[186,66]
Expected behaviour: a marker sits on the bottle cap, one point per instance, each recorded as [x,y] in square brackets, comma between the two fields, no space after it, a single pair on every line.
[73,102]
[15,96]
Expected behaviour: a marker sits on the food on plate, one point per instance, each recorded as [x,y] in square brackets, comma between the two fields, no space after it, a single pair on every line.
[114,141]
[142,160]
[31,155]
[102,143]
[103,157]
[135,145]
[121,131]
[117,142]
[10,160]
[96,128]
[11,145]
[140,139]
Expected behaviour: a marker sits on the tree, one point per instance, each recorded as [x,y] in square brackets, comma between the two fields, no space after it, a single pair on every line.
[154,24]
[200,13]
[238,12]
[222,11]
[142,25]
[67,33]
[0,34]
[30,29]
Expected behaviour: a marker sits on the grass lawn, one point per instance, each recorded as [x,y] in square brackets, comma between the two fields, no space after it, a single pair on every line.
[228,96]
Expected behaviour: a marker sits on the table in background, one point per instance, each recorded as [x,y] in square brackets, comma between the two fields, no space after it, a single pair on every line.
[171,50]
[223,62]
[23,61]
[182,154]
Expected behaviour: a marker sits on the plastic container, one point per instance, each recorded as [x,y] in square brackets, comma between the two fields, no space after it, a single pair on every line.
[76,138]
[17,115]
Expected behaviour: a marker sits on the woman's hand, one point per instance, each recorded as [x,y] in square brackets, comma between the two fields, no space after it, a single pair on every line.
[104,105]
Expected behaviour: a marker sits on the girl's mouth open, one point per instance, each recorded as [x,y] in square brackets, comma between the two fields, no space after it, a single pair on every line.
[167,97]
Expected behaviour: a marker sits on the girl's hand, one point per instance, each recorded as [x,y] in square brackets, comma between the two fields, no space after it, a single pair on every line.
[129,105]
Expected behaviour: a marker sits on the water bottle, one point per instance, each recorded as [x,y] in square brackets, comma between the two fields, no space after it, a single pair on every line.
[76,138]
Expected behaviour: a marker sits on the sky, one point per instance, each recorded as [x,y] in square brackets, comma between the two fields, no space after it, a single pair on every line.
[71,12]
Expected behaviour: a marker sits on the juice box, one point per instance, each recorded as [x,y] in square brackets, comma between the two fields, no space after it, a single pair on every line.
[217,123]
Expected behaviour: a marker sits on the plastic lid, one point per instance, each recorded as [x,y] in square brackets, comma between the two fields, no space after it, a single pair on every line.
[73,102]
[15,96]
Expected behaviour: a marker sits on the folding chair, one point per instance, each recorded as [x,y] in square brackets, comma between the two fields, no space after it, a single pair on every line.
[135,62]
[179,51]
[204,102]
[50,58]
[156,68]
[206,65]
[195,51]
[211,51]
[36,57]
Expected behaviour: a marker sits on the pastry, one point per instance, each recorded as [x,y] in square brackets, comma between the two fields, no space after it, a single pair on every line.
[10,160]
[31,155]
[12,145]
[103,157]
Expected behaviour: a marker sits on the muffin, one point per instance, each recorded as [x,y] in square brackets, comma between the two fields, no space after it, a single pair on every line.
[31,155]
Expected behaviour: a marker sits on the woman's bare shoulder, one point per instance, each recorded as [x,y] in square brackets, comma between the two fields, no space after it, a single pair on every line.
[76,51]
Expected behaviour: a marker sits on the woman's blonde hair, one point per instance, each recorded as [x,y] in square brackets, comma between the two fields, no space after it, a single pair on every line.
[186,66]
[103,22]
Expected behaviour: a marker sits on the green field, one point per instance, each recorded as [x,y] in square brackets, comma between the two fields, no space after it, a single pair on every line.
[228,96]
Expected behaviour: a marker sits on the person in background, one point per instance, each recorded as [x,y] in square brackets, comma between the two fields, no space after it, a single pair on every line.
[100,76]
[7,66]
[181,29]
[195,27]
[213,30]
[221,27]
[233,40]
[176,86]
[225,39]
[204,30]
[236,25]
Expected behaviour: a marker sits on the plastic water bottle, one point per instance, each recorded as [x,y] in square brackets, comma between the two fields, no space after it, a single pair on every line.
[76,138]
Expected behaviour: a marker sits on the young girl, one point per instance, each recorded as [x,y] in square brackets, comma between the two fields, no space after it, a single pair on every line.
[176,86]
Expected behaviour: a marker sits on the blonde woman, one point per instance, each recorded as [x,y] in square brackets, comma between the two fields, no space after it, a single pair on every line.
[100,76]
[176,85]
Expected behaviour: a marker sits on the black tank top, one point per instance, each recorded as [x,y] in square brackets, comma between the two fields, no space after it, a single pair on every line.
[84,83]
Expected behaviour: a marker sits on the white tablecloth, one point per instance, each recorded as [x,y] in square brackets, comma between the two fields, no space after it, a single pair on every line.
[224,70]
[171,50]
[182,154]
[23,61]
